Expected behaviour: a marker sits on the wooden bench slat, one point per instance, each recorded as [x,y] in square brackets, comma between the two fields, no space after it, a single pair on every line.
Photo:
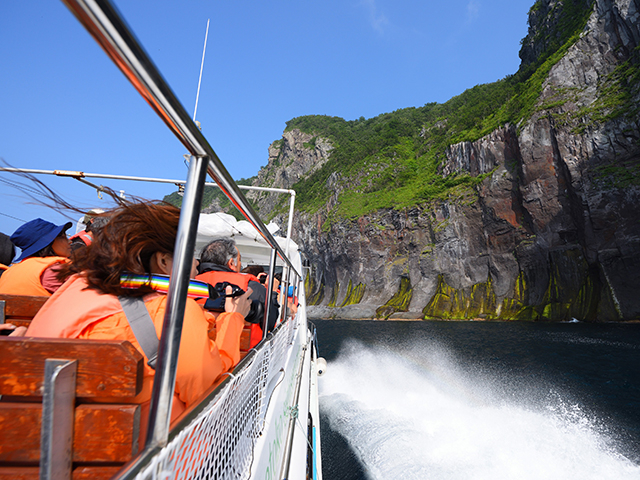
[23,306]
[109,368]
[79,473]
[94,473]
[19,473]
[19,322]
[102,433]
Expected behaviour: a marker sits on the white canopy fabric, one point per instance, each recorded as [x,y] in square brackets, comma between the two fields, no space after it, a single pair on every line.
[253,248]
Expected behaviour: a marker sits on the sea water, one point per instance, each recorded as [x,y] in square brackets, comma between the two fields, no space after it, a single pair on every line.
[454,400]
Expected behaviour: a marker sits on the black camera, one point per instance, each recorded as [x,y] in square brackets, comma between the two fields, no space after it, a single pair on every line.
[218,295]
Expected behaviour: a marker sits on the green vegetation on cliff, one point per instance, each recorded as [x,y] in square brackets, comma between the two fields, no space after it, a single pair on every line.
[616,95]
[393,160]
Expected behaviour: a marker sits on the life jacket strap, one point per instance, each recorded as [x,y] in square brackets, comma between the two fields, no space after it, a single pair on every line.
[142,325]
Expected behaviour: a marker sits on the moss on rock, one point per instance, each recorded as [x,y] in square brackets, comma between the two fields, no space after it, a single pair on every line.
[400,300]
[334,295]
[354,294]
[314,290]
[455,304]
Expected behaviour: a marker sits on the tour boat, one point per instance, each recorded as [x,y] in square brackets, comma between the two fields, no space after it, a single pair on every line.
[262,421]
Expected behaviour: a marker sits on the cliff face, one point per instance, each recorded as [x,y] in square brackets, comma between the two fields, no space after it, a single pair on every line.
[551,233]
[292,158]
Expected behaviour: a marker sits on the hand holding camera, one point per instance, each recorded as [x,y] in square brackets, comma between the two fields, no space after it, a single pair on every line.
[237,303]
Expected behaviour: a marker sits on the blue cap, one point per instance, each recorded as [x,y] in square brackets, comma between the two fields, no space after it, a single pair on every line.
[33,236]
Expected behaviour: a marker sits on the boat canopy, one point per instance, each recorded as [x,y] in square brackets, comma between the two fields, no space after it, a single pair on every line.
[253,247]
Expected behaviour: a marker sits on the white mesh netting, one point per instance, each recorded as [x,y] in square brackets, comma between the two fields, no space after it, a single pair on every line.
[218,443]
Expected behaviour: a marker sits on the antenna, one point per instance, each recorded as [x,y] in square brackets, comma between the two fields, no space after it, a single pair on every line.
[195,110]
[204,49]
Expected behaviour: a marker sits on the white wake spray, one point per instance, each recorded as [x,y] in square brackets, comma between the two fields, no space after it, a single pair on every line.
[419,416]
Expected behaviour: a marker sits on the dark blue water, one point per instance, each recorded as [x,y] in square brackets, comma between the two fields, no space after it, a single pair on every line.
[461,400]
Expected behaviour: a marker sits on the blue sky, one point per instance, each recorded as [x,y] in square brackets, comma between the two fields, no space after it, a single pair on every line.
[66,106]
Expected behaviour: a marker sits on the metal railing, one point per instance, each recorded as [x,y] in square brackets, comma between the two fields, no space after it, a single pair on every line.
[230,418]
[82,176]
[104,23]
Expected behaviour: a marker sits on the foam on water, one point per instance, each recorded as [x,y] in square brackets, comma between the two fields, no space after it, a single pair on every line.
[416,414]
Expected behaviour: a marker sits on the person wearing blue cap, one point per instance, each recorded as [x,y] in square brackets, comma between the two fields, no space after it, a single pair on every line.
[44,246]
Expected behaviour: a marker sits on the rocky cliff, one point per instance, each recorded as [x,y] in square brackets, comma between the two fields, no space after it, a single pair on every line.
[295,156]
[550,230]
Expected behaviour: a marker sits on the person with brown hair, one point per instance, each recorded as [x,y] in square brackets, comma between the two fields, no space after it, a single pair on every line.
[130,261]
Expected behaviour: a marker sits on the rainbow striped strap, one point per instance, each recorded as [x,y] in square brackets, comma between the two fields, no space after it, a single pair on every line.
[160,283]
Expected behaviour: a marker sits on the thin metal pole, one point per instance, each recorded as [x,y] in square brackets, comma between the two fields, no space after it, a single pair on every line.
[284,292]
[287,244]
[290,220]
[165,377]
[77,175]
[204,49]
[272,269]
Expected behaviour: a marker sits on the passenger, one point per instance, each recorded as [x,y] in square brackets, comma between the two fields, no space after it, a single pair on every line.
[220,261]
[255,270]
[93,221]
[292,301]
[7,252]
[258,272]
[130,258]
[45,248]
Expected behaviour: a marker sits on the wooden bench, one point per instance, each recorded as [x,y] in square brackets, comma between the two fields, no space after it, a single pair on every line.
[19,309]
[105,434]
[245,338]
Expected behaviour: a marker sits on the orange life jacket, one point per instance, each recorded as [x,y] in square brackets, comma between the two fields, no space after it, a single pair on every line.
[241,280]
[24,278]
